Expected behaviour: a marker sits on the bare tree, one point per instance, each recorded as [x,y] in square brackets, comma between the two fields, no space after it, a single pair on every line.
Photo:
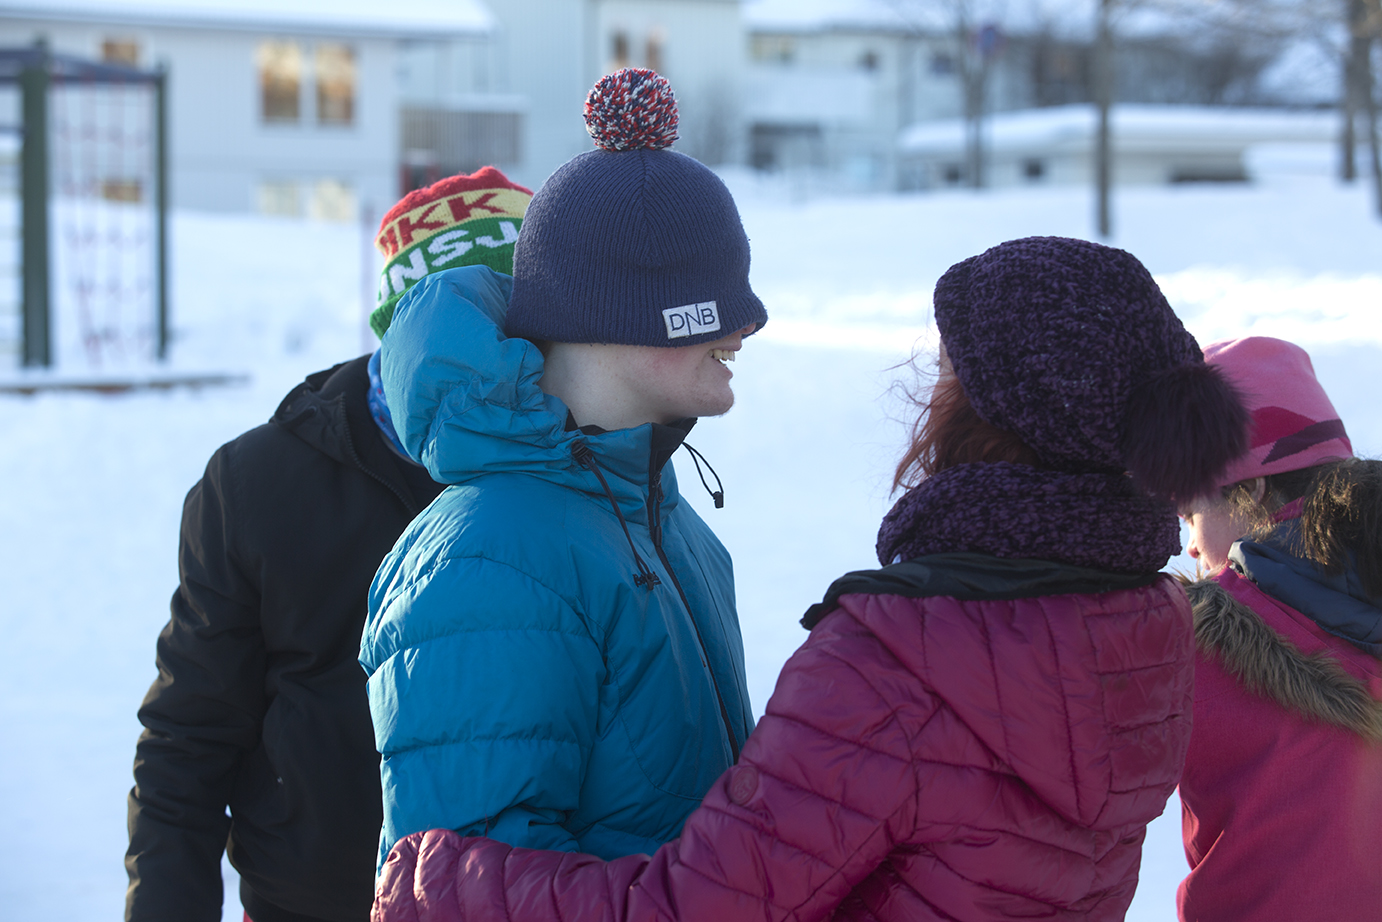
[1364,31]
[976,39]
[1103,102]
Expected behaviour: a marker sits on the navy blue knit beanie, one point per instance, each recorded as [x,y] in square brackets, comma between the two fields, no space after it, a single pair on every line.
[1072,346]
[632,243]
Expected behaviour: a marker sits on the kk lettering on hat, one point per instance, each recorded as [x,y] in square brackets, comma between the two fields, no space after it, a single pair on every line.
[462,220]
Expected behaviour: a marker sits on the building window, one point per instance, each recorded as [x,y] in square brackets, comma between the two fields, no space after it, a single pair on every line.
[335,74]
[1033,170]
[440,142]
[120,51]
[942,64]
[331,200]
[656,41]
[774,49]
[619,50]
[122,190]
[280,80]
[280,197]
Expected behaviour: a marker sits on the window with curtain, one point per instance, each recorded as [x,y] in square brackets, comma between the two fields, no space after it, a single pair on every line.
[280,80]
[335,75]
[657,41]
[619,51]
[120,51]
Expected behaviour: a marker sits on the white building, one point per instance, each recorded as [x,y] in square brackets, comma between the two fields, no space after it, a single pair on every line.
[1151,144]
[831,83]
[550,52]
[314,107]
[280,106]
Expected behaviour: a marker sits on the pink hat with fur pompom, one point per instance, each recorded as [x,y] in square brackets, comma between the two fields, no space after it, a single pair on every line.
[1294,425]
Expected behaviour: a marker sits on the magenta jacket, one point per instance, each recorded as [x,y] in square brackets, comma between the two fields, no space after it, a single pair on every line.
[1282,794]
[922,758]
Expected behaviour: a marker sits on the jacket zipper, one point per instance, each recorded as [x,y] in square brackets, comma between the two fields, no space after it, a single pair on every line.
[655,532]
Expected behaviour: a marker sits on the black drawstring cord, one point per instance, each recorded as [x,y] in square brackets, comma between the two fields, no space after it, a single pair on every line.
[586,458]
[717,495]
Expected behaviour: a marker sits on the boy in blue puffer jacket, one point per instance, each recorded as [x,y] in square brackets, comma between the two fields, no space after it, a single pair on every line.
[553,651]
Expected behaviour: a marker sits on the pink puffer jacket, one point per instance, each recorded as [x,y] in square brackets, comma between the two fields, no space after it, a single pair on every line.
[921,759]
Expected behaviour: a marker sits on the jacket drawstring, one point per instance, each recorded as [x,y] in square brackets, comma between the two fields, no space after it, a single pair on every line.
[586,458]
[717,495]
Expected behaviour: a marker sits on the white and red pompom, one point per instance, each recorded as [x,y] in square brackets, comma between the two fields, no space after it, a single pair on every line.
[631,109]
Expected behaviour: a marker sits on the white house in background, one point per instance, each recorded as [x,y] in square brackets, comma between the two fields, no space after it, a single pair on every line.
[1151,144]
[316,106]
[831,83]
[281,106]
[548,53]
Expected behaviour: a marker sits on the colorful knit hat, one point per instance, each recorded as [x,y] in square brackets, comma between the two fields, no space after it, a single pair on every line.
[1072,346]
[1294,426]
[632,243]
[459,221]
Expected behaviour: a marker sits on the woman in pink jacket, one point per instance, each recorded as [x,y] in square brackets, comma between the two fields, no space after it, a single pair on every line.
[982,728]
[1282,794]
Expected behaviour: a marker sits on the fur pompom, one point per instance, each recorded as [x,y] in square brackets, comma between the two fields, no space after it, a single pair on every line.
[1184,426]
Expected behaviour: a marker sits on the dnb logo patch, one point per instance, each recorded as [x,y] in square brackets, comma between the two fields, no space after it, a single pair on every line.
[691,319]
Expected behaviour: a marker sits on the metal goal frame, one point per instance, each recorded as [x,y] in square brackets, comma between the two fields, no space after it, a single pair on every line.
[34,70]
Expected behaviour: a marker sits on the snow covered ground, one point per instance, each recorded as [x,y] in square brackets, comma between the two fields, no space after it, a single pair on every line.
[93,485]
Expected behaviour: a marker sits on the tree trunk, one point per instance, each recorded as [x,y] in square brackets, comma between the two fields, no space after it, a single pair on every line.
[1369,98]
[1103,100]
[1354,62]
[971,88]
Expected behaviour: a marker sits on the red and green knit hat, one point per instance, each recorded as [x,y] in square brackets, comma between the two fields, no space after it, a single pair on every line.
[462,220]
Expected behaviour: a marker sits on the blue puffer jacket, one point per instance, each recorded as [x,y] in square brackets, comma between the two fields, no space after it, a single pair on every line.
[525,681]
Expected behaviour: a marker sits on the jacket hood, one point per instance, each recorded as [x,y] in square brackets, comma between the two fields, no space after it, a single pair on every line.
[465,397]
[1313,685]
[1336,602]
[318,409]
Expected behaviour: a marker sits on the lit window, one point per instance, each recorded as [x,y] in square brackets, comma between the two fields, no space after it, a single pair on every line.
[122,190]
[619,51]
[335,69]
[656,41]
[120,51]
[332,200]
[280,197]
[280,80]
[772,48]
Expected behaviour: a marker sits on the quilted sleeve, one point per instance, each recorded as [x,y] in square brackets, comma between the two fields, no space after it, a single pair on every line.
[484,689]
[823,792]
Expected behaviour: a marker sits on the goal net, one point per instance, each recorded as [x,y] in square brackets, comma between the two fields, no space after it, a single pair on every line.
[99,181]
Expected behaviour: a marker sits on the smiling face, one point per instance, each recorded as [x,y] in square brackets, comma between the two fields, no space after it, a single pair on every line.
[670,384]
[616,386]
[1215,523]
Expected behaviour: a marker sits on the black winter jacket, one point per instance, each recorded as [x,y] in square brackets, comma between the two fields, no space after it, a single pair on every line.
[259,705]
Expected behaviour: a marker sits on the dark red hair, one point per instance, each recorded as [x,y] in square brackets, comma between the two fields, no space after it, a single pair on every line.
[949,432]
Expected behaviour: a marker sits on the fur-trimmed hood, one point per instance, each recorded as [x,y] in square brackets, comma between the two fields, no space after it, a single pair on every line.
[1267,664]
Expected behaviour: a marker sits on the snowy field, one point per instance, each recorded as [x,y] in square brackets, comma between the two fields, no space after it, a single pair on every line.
[93,485]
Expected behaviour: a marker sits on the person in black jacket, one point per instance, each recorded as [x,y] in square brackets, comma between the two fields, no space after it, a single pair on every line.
[257,738]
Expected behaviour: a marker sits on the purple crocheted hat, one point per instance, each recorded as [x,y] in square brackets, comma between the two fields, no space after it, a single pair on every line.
[1072,346]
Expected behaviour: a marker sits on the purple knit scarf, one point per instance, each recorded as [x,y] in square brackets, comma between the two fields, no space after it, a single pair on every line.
[1099,521]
